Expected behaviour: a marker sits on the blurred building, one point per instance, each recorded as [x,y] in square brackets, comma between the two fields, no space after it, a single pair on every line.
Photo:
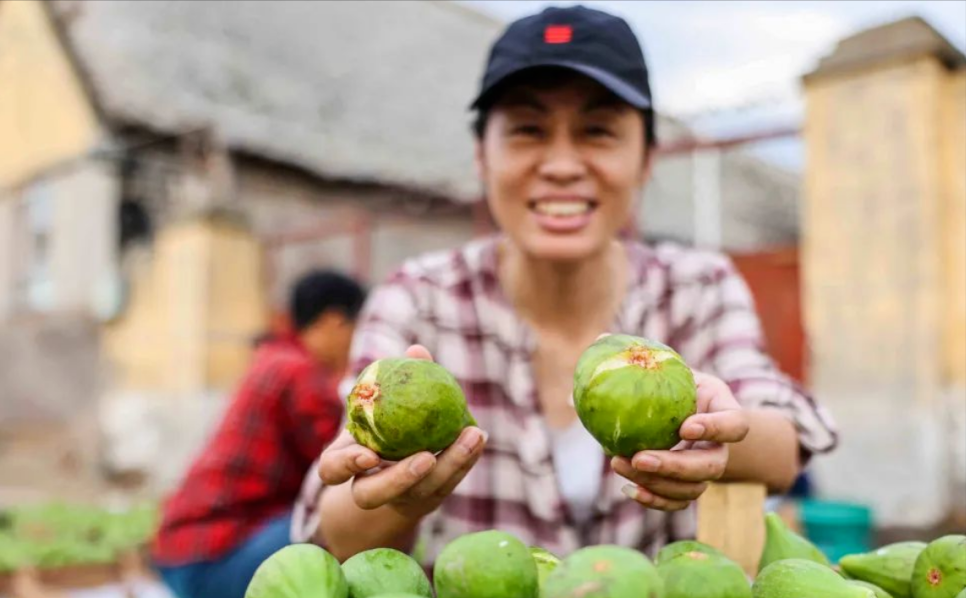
[167,168]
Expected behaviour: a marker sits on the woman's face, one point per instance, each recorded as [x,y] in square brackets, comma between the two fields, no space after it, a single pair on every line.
[562,166]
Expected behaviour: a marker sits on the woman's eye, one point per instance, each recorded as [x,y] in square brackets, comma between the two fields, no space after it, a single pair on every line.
[599,131]
[526,130]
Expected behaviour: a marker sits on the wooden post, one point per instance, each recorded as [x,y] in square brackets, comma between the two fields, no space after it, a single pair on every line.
[731,518]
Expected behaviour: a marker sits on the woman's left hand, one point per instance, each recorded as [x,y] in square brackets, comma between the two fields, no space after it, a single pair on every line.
[670,480]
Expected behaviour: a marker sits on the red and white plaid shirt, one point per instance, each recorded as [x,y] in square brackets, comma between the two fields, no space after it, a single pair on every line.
[451,302]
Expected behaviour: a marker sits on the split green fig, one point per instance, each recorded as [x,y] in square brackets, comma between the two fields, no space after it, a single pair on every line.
[401,406]
[632,394]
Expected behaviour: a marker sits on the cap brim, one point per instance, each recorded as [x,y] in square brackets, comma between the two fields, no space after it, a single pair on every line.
[621,89]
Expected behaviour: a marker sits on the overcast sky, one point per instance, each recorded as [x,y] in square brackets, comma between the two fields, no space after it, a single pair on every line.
[729,67]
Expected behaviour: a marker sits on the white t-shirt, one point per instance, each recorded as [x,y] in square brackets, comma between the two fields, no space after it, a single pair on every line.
[579,461]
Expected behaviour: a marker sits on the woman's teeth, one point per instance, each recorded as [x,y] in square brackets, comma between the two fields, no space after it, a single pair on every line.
[562,208]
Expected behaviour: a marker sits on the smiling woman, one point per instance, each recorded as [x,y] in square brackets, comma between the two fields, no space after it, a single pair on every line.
[564,125]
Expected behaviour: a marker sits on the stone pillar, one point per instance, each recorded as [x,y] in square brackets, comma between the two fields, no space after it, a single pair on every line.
[878,250]
[954,276]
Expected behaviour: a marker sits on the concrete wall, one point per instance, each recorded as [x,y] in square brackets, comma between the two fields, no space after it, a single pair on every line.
[278,201]
[758,210]
[45,116]
[49,369]
[77,266]
[84,236]
[877,256]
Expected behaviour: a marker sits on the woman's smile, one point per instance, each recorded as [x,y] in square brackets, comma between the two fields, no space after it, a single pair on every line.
[562,213]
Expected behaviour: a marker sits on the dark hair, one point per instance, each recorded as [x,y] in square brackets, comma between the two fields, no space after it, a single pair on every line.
[548,78]
[320,291]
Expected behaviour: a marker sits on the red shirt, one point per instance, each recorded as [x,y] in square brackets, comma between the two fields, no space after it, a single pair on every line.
[283,414]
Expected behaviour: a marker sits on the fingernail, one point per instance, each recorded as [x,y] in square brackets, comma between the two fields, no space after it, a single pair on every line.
[647,463]
[421,465]
[695,430]
[366,461]
[470,440]
[637,493]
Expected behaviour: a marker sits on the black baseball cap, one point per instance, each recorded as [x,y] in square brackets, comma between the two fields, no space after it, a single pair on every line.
[591,42]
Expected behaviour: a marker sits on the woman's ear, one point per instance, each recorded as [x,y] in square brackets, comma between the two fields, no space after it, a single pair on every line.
[648,167]
[479,159]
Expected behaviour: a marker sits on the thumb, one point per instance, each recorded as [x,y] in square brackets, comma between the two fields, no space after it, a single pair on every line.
[727,426]
[419,352]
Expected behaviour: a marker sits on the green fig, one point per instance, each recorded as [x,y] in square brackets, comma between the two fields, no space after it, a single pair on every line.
[702,575]
[676,549]
[940,570]
[879,592]
[490,564]
[604,571]
[401,406]
[782,543]
[632,394]
[889,567]
[299,571]
[374,572]
[546,562]
[799,578]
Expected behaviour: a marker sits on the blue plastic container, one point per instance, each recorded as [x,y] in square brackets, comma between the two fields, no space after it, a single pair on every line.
[837,528]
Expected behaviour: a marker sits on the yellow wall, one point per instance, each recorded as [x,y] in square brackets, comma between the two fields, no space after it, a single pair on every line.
[954,152]
[237,303]
[45,116]
[197,302]
[872,239]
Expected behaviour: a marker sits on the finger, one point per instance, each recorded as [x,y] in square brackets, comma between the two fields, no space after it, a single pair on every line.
[653,501]
[339,465]
[457,477]
[450,462]
[683,445]
[714,394]
[660,486]
[694,465]
[374,490]
[419,352]
[343,440]
[720,426]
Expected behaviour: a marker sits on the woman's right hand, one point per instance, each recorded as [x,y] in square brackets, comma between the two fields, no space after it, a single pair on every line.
[415,486]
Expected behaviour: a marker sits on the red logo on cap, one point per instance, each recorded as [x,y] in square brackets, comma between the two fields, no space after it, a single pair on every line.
[558,34]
